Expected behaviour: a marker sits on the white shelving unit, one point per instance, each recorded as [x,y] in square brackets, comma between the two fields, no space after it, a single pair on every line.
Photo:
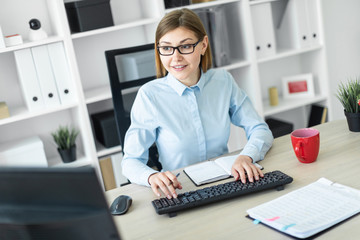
[135,23]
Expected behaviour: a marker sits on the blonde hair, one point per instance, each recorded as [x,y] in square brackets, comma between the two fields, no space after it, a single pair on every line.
[181,18]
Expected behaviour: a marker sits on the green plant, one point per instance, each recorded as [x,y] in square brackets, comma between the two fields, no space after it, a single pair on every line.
[65,137]
[349,95]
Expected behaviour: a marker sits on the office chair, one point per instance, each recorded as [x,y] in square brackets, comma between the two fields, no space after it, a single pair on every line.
[130,68]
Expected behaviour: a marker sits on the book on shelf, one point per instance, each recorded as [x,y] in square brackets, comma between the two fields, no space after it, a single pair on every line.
[112,172]
[318,115]
[212,170]
[120,179]
[310,210]
[107,173]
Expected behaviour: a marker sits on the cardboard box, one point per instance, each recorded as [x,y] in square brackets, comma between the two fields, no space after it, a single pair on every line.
[27,152]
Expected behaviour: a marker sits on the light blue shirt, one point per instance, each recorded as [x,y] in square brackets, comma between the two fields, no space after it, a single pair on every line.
[190,124]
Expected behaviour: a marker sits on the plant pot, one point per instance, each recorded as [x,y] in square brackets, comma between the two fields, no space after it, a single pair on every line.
[68,155]
[353,120]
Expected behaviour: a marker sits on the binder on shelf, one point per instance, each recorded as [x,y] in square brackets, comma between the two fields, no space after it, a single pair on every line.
[28,80]
[313,18]
[294,30]
[214,21]
[263,26]
[318,115]
[203,15]
[45,76]
[2,41]
[61,72]
[107,173]
[220,36]
[120,179]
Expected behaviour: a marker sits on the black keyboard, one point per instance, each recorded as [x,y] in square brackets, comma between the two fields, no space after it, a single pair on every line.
[275,179]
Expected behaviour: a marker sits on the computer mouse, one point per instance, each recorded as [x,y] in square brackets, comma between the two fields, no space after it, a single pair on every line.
[120,205]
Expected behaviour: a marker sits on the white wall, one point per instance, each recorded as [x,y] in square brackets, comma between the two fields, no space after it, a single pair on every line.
[342,38]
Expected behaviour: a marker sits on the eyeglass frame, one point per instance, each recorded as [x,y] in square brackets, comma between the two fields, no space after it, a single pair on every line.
[177,48]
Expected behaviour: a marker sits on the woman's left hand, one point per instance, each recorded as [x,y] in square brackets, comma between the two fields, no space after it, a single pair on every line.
[243,167]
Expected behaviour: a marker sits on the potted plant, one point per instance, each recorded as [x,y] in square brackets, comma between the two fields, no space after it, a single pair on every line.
[349,95]
[65,139]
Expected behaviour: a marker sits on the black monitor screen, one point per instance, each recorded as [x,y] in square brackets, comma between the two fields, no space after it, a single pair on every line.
[53,203]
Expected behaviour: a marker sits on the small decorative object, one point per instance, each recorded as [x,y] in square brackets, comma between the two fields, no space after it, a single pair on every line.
[2,42]
[298,86]
[36,32]
[65,139]
[349,96]
[274,96]
[4,111]
[13,40]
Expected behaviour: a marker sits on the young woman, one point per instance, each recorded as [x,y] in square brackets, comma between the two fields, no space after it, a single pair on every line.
[188,110]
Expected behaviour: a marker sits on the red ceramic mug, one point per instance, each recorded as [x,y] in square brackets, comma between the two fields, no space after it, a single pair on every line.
[306,144]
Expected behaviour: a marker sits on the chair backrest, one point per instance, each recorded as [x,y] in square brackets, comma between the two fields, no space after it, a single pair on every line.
[130,68]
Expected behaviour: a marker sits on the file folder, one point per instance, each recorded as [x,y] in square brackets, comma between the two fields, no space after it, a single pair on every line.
[220,36]
[203,15]
[263,27]
[2,41]
[120,179]
[313,18]
[45,76]
[294,29]
[28,80]
[61,72]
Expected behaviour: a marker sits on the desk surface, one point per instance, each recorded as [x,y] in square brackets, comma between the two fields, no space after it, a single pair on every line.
[338,160]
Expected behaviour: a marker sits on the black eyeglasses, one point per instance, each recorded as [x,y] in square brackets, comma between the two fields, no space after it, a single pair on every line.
[183,49]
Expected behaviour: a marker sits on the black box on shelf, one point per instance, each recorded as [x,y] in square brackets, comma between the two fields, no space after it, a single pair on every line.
[105,128]
[88,15]
[279,127]
[175,3]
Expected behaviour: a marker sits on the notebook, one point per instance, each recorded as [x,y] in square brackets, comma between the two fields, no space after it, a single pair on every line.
[309,210]
[212,171]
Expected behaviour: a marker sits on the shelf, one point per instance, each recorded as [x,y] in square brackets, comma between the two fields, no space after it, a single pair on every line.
[97,94]
[102,151]
[31,44]
[115,28]
[80,162]
[203,5]
[21,113]
[289,104]
[254,2]
[103,93]
[289,53]
[235,65]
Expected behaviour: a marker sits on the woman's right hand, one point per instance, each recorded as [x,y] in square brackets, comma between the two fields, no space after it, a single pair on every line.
[166,182]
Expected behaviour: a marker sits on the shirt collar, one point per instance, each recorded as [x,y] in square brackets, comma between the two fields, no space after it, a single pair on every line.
[179,87]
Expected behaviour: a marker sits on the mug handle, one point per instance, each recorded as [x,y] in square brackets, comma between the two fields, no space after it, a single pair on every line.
[297,150]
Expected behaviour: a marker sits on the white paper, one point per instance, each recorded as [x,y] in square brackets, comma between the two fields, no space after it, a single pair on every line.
[310,209]
[205,172]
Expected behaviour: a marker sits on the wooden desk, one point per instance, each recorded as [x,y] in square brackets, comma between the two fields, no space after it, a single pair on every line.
[338,160]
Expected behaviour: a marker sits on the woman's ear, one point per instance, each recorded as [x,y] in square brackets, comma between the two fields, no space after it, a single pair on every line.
[205,43]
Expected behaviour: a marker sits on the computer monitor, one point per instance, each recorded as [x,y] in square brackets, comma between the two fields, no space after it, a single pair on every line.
[53,203]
